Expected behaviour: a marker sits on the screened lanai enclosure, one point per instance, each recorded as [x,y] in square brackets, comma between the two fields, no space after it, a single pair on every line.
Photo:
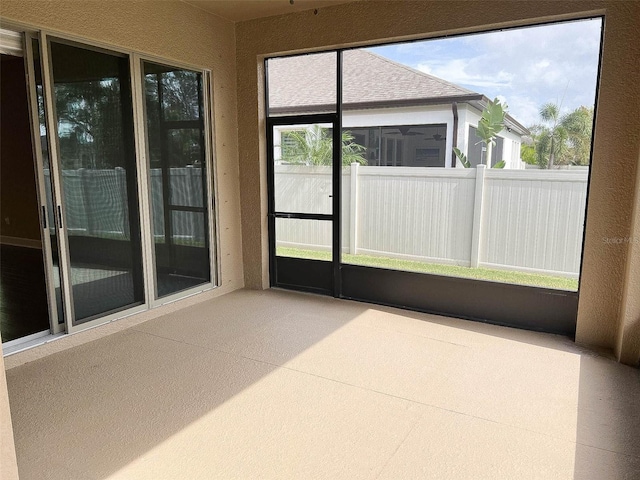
[397,180]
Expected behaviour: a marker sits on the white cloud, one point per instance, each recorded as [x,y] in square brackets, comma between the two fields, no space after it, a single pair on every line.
[456,71]
[527,66]
[522,108]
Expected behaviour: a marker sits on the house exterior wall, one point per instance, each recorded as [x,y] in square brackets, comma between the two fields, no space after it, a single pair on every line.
[613,180]
[404,116]
[425,115]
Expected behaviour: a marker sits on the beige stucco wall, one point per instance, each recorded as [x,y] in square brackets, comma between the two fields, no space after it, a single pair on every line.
[8,465]
[627,347]
[613,173]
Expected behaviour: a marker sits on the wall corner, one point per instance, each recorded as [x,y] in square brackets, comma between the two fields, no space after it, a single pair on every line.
[8,462]
[627,346]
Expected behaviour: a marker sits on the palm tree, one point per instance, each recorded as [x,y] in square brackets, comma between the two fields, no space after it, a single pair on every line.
[579,126]
[314,146]
[563,139]
[550,136]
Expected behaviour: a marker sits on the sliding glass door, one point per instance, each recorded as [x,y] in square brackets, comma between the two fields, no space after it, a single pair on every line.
[97,167]
[123,149]
[45,176]
[175,120]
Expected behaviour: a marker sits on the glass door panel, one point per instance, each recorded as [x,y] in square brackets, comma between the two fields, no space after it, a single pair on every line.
[49,199]
[176,149]
[303,161]
[94,119]
[301,165]
[301,238]
[24,292]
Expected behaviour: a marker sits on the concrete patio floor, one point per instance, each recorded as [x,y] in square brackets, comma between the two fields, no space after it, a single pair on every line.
[274,384]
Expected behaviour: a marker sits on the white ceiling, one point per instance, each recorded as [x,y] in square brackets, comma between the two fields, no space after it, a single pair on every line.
[240,10]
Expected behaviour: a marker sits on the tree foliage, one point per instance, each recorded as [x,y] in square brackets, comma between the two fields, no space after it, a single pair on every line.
[579,127]
[90,123]
[174,96]
[490,125]
[464,161]
[314,146]
[561,139]
[492,122]
[90,118]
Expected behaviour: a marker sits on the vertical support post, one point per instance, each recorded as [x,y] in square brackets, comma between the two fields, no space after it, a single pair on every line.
[353,210]
[454,136]
[337,182]
[477,217]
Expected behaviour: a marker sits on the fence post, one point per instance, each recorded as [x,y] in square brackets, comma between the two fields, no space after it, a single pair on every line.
[353,210]
[477,216]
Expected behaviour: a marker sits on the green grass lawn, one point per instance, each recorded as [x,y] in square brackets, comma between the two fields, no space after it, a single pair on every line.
[493,275]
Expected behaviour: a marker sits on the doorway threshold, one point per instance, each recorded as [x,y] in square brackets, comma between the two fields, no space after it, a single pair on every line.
[30,341]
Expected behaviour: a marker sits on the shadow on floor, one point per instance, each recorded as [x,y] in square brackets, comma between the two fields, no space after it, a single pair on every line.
[93,409]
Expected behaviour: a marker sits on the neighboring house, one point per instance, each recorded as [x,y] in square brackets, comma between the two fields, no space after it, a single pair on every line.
[402,116]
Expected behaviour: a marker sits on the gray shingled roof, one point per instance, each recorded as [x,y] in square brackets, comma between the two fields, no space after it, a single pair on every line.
[309,80]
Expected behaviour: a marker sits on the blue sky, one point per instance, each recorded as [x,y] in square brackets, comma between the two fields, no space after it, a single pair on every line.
[525,67]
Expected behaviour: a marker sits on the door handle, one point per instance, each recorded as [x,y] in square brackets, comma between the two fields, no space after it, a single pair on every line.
[44,217]
[59,217]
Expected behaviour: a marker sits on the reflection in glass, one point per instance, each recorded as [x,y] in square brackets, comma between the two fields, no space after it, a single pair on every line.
[175,134]
[98,164]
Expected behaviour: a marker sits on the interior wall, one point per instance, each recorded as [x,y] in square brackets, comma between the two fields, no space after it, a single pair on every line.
[628,342]
[18,199]
[8,463]
[613,178]
[176,31]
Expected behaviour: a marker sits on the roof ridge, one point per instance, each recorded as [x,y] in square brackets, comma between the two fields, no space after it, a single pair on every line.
[416,71]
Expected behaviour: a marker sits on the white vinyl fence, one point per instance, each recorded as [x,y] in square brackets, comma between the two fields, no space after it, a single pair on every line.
[96,202]
[523,220]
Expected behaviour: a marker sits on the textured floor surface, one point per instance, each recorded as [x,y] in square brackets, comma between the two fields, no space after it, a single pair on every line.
[283,385]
